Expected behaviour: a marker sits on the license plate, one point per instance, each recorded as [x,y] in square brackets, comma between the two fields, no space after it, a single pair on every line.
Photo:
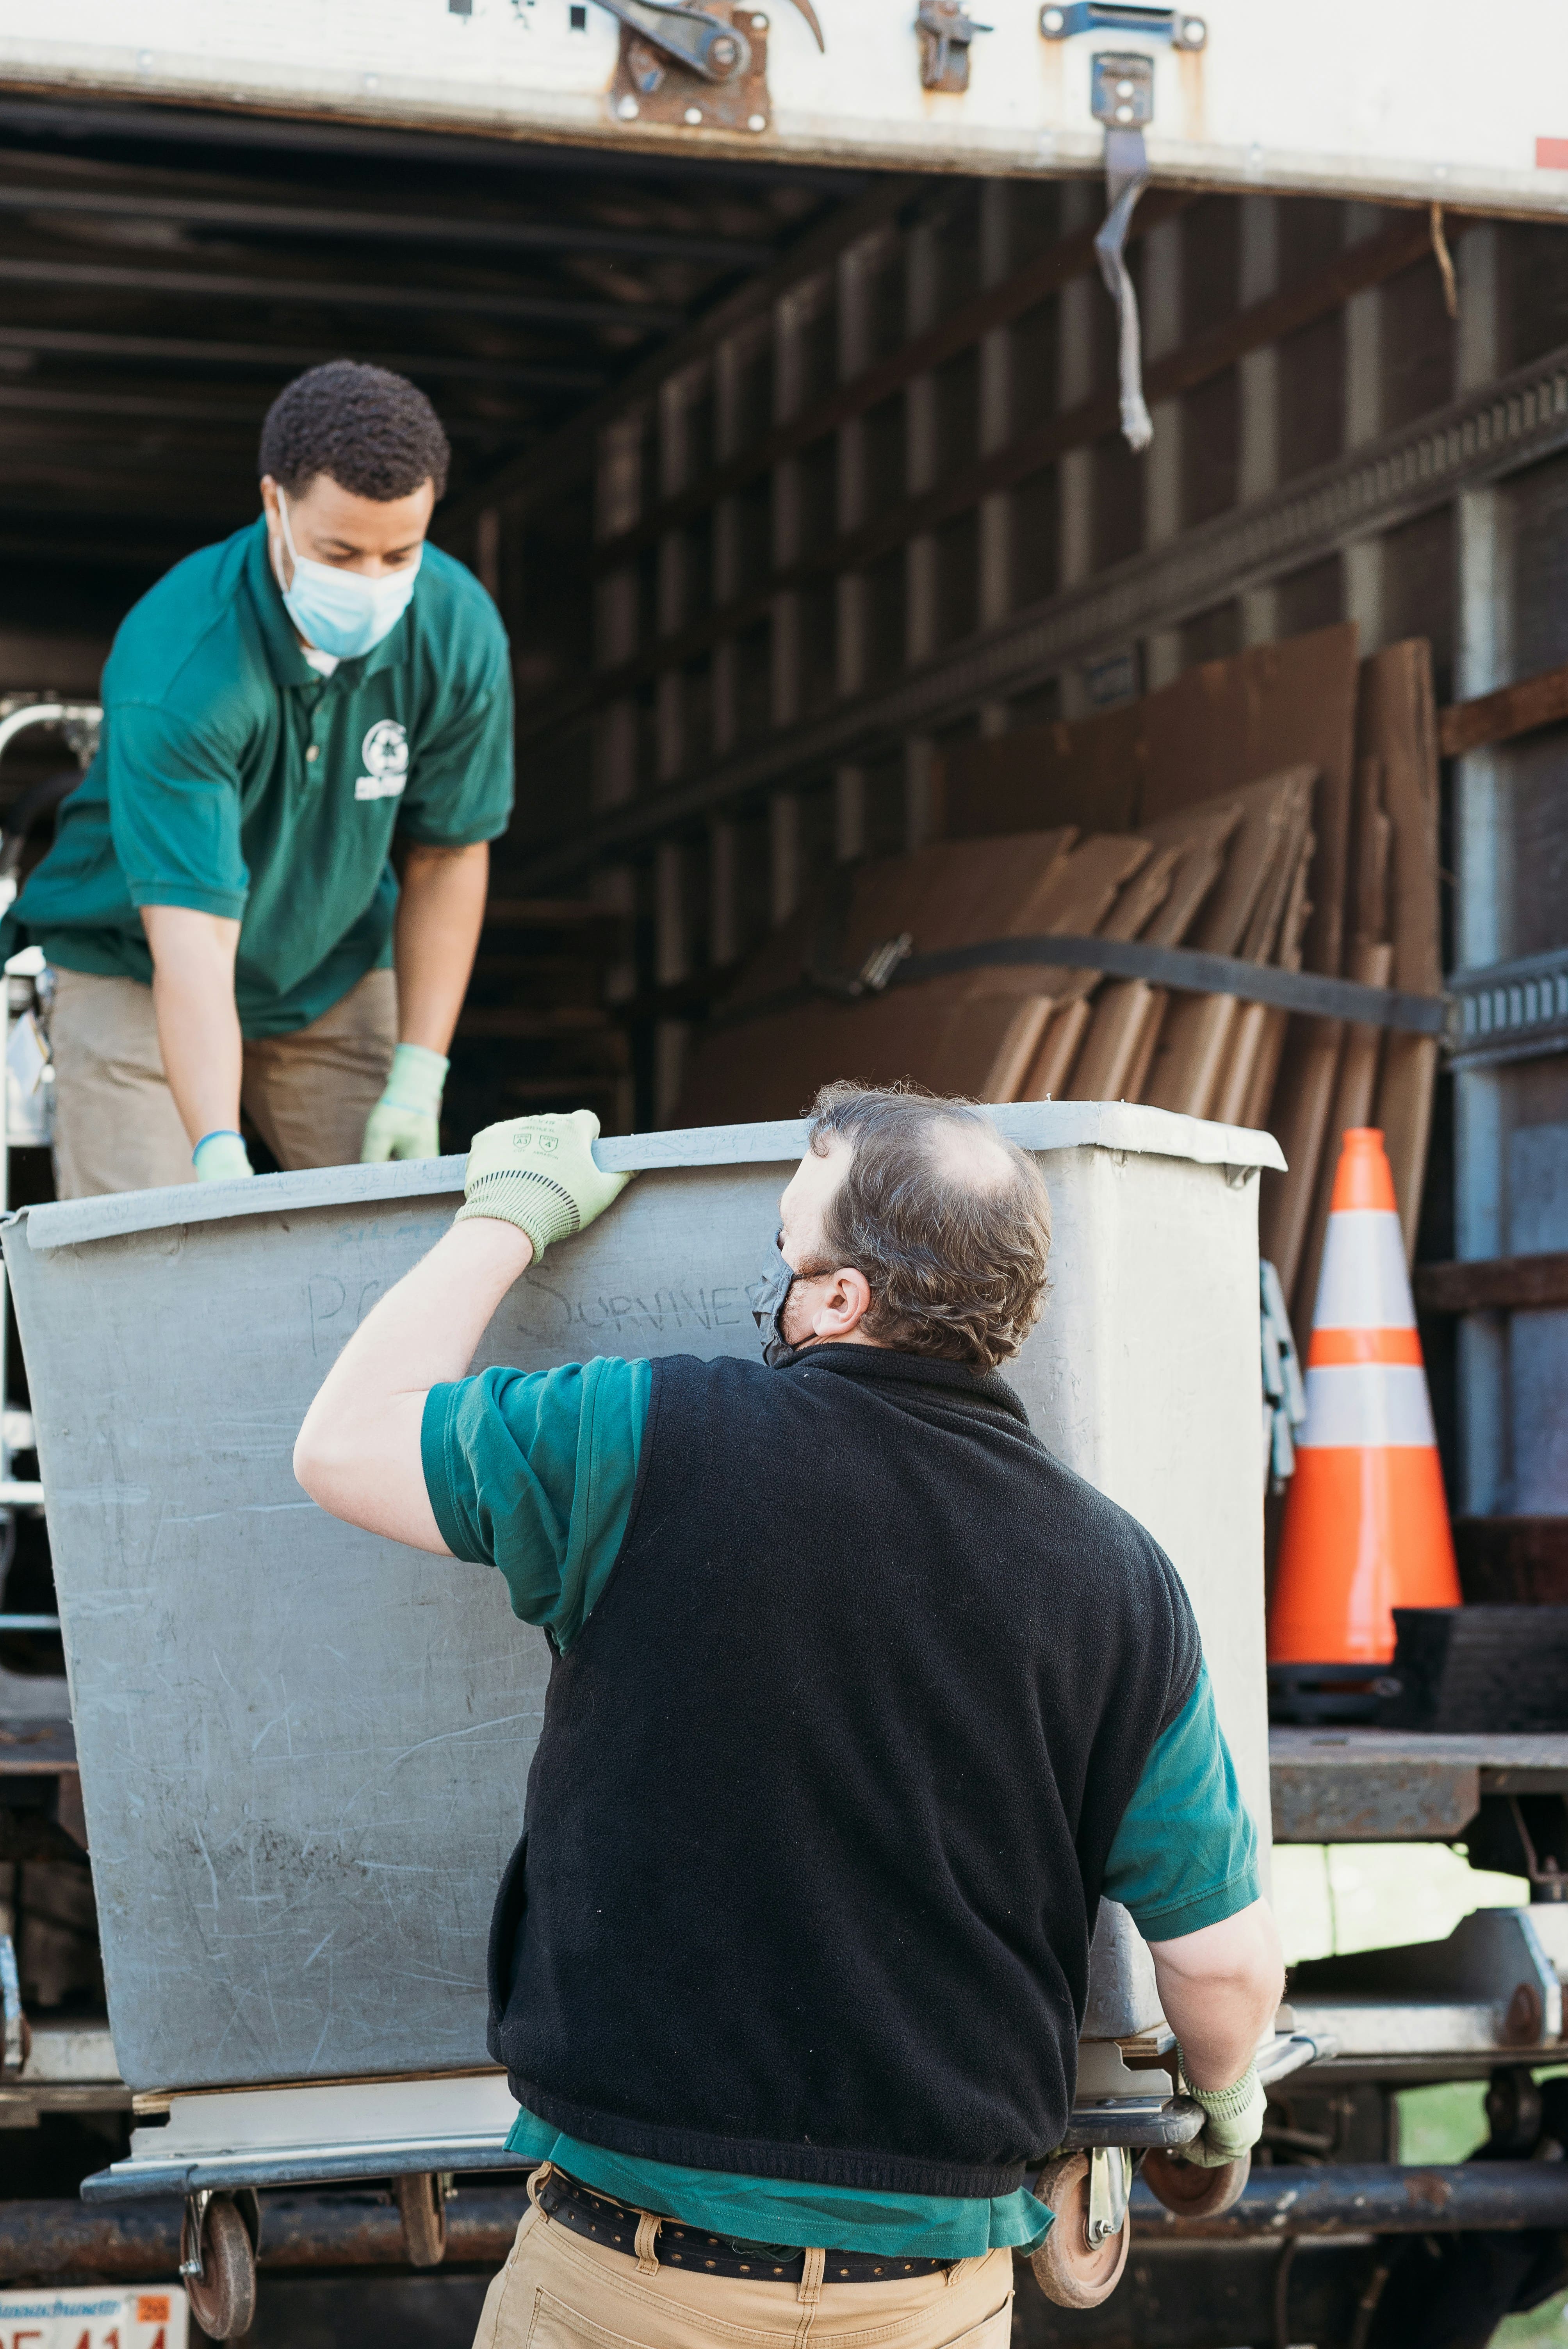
[94,2320]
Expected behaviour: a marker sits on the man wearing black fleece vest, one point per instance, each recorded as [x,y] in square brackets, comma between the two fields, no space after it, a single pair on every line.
[860,1702]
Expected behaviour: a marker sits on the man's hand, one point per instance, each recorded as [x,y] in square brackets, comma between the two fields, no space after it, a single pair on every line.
[539,1174]
[222,1157]
[1233,2121]
[406,1122]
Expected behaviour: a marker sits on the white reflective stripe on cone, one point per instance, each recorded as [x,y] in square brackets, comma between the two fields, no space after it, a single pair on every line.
[1363,1284]
[1361,1405]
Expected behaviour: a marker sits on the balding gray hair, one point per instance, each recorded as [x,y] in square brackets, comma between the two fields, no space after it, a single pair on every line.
[950,1224]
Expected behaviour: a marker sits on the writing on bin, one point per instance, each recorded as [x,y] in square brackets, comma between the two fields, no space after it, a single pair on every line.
[660,1310]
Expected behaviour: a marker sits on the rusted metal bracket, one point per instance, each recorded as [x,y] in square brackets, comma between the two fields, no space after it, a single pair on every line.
[703,43]
[701,68]
[945,30]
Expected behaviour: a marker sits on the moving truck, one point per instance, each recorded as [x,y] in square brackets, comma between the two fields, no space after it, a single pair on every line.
[858,407]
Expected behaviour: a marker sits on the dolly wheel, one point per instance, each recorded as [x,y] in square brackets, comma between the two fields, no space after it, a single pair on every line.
[223,2296]
[1192,2191]
[422,2207]
[1068,2268]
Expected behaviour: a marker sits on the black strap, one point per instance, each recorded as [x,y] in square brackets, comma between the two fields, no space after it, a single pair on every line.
[1183,968]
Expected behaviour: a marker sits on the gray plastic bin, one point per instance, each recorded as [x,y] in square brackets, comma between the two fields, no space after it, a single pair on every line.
[304,1749]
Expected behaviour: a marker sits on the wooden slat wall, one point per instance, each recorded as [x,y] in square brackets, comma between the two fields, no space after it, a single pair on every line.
[915,438]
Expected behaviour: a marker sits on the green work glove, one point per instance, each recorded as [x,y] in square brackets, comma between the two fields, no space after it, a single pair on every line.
[222,1157]
[1233,2120]
[406,1122]
[538,1173]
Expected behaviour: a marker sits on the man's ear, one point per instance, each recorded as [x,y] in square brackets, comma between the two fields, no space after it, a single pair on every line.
[849,1302]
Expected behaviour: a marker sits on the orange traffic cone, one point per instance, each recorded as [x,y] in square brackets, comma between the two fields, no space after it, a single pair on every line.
[1366,1524]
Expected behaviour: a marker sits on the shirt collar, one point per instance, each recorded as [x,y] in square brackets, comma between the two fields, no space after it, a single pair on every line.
[886,1363]
[286,661]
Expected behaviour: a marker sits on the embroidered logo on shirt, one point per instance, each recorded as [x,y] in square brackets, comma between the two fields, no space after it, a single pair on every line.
[385,755]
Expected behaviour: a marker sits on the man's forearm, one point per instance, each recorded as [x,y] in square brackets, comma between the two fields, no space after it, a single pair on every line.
[198,1025]
[358,1452]
[1220,1988]
[440,912]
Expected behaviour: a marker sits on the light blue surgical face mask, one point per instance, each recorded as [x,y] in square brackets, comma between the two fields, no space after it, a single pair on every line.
[341,611]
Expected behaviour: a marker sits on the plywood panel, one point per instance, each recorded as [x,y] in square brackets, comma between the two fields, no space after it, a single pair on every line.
[1074,899]
[1087,774]
[1122,1038]
[1355,1089]
[1113,1047]
[1140,901]
[1244,909]
[1215,728]
[1047,1079]
[1397,724]
[1271,1044]
[1138,1075]
[969,1034]
[938,896]
[1274,706]
[1304,1097]
[1192,1054]
[1015,1051]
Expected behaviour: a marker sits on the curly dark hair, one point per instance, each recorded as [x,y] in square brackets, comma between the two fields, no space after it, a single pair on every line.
[375,433]
[952,1241]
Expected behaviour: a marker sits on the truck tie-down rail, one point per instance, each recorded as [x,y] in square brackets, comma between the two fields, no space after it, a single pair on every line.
[1507,1011]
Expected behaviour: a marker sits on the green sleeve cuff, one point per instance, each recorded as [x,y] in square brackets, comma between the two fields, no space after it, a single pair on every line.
[228,903]
[1169,1923]
[1185,1854]
[430,835]
[433,1433]
[535,1473]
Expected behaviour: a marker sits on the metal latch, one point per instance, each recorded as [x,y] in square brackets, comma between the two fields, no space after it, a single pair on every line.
[1121,91]
[1123,97]
[704,45]
[700,66]
[1061,22]
[945,30]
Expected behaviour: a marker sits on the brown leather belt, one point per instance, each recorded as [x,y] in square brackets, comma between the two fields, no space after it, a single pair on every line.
[583,2211]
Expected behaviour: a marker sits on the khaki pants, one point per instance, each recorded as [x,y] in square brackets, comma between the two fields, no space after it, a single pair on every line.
[561,2290]
[116,1126]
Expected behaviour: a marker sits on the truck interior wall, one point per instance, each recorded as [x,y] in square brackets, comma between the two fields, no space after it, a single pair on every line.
[737,499]
[915,554]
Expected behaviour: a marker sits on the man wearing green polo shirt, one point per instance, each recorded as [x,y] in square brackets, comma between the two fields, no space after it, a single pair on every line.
[860,1702]
[220,909]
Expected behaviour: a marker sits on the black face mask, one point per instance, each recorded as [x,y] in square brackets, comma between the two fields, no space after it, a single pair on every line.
[768,1297]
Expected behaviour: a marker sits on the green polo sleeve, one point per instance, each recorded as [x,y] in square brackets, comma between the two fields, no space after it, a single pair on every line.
[460,787]
[534,1472]
[1186,1853]
[174,810]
